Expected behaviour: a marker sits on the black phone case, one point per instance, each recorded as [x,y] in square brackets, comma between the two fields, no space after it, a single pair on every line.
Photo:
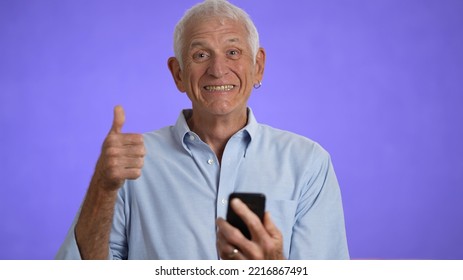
[255,202]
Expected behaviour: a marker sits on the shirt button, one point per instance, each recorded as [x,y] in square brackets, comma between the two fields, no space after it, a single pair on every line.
[210,161]
[192,138]
[224,201]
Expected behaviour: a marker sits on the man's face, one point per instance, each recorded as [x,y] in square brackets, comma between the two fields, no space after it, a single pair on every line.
[218,68]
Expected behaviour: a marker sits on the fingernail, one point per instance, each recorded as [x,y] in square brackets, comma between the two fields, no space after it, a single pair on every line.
[236,201]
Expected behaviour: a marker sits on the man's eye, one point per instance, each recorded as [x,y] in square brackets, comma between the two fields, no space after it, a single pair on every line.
[200,55]
[234,54]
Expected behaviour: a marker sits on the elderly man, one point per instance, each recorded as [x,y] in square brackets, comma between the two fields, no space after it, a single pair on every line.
[161,195]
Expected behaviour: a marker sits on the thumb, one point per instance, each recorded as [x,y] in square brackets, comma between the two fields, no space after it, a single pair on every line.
[118,120]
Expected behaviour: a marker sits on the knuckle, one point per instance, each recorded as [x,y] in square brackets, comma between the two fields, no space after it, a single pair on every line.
[236,237]
[141,162]
[234,234]
[136,173]
[254,225]
[113,175]
[268,246]
[140,151]
[134,163]
[112,163]
[110,151]
[110,140]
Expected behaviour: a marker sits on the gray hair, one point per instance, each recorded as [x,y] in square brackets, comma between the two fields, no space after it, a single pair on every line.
[215,8]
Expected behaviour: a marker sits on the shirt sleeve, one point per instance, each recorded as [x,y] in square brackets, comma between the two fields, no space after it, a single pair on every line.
[69,250]
[319,230]
[118,244]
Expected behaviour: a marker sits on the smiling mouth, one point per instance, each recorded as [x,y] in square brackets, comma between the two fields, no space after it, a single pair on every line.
[219,88]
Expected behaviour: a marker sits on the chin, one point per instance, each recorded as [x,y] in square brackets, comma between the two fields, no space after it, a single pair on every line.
[227,110]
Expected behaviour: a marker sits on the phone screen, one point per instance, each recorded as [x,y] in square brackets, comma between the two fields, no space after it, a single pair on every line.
[255,202]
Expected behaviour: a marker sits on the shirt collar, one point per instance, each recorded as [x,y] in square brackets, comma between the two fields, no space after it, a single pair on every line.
[251,126]
[182,130]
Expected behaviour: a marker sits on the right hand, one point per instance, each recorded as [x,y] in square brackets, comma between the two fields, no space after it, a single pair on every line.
[122,155]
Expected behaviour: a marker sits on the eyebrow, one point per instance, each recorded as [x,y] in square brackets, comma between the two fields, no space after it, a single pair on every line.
[200,43]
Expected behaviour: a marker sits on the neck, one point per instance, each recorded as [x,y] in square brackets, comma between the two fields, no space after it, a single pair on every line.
[217,130]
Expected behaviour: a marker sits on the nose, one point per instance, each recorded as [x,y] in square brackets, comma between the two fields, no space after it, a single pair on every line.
[218,66]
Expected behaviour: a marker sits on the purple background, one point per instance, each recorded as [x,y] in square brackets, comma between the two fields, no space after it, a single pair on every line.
[378,83]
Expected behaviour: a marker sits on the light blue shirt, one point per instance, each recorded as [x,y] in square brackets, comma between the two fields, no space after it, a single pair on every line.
[170,211]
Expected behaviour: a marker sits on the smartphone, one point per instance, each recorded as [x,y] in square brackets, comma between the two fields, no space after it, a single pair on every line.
[255,202]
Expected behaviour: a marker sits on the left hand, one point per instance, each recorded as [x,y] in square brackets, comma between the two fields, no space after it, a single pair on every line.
[266,240]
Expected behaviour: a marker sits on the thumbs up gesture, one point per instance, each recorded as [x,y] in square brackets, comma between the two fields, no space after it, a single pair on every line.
[122,155]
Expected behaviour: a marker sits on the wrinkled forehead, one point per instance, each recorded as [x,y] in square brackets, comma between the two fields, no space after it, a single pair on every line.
[202,27]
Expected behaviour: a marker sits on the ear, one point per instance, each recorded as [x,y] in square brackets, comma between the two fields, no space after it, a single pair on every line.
[260,65]
[176,72]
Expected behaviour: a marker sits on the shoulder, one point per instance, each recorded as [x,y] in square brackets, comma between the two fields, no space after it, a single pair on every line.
[161,140]
[283,140]
[162,134]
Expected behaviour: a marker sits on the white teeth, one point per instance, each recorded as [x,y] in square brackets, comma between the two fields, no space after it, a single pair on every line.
[219,88]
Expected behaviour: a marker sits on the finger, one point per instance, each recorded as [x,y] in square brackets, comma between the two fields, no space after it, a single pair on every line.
[118,119]
[132,139]
[126,162]
[132,173]
[233,236]
[235,254]
[230,233]
[273,248]
[135,151]
[114,153]
[232,253]
[129,162]
[271,228]
[226,250]
[115,175]
[126,173]
[123,139]
[251,220]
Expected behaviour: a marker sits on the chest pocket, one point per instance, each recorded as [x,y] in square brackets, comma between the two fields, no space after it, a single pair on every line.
[283,214]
